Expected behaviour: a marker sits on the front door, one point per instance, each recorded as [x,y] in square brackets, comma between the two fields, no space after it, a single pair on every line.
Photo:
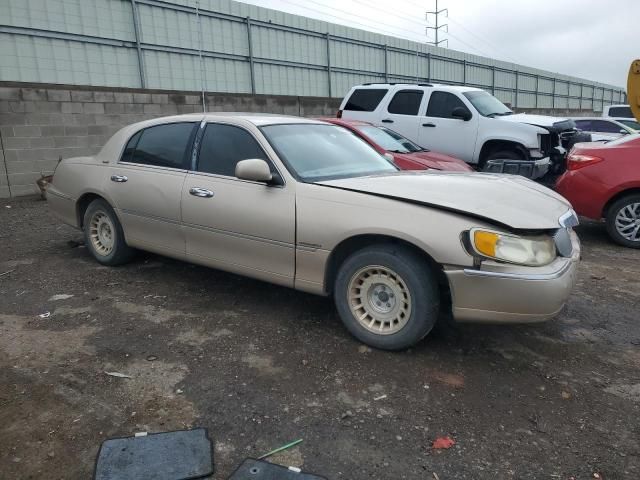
[146,186]
[236,225]
[441,132]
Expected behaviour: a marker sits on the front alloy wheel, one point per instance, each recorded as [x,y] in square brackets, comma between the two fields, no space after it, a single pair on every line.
[380,300]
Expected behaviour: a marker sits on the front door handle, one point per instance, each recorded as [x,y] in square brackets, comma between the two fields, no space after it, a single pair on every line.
[429,124]
[119,178]
[387,120]
[200,192]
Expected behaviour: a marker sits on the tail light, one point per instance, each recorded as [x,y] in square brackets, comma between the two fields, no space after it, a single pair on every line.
[339,114]
[576,161]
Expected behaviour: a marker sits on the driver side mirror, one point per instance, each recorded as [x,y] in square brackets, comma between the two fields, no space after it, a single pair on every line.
[461,113]
[255,170]
[623,131]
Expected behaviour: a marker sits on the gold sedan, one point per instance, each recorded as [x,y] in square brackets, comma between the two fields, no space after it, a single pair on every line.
[308,205]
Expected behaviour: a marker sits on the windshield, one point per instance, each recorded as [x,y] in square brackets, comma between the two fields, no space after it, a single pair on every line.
[389,140]
[487,105]
[630,123]
[324,152]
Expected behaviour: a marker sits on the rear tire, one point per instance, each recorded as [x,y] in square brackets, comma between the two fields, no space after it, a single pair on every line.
[387,296]
[103,235]
[623,221]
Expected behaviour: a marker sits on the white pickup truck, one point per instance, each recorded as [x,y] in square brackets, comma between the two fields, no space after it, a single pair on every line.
[461,121]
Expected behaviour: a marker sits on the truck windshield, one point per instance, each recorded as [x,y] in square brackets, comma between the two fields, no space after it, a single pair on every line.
[390,140]
[315,152]
[487,105]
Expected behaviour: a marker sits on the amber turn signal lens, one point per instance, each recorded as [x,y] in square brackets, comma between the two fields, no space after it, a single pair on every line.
[486,242]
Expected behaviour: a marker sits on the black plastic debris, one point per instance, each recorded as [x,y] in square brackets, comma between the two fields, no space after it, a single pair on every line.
[258,470]
[180,455]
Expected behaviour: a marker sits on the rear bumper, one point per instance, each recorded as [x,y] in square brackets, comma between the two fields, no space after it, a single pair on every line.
[513,294]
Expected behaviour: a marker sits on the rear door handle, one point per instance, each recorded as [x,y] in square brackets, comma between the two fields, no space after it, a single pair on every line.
[387,120]
[200,192]
[429,124]
[119,178]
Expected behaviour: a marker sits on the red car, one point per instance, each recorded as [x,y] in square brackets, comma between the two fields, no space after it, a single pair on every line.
[603,181]
[406,154]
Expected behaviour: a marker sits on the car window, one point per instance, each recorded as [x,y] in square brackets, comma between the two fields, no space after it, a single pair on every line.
[314,152]
[624,112]
[583,125]
[486,104]
[162,146]
[441,104]
[406,102]
[365,99]
[604,126]
[223,146]
[631,124]
[389,140]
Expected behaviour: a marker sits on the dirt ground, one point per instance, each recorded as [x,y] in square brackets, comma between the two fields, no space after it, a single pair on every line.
[260,366]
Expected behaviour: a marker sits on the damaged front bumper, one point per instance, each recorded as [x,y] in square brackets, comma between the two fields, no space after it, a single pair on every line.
[532,169]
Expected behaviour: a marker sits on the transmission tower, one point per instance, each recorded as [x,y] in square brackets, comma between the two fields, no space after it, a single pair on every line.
[437,13]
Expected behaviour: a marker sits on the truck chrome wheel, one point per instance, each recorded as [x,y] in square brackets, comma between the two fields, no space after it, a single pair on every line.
[628,222]
[101,233]
[379,299]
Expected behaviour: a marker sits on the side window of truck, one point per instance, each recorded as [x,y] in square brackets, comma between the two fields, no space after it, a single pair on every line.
[365,99]
[406,102]
[441,104]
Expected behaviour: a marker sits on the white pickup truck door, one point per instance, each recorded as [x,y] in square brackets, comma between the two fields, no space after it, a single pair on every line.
[400,112]
[439,131]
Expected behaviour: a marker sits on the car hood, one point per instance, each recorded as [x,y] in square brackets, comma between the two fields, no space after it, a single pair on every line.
[435,160]
[509,200]
[556,124]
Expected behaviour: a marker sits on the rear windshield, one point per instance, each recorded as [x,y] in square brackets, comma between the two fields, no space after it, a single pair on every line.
[624,112]
[365,99]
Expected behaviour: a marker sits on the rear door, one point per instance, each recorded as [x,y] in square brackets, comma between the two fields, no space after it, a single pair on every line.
[441,132]
[238,225]
[146,185]
[401,112]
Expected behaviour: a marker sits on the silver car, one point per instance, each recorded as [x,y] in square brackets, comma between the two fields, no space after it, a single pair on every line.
[306,204]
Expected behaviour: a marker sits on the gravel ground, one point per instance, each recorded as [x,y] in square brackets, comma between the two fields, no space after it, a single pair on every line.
[260,366]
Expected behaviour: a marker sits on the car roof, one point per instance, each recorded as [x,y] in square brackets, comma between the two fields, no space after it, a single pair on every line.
[259,119]
[456,88]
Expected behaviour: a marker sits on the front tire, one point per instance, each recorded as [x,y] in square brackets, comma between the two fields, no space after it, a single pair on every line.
[387,296]
[103,234]
[623,221]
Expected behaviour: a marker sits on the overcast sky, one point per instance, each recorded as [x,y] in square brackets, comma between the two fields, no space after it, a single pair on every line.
[592,39]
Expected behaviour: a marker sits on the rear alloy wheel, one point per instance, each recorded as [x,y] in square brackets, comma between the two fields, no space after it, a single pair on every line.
[387,296]
[623,221]
[104,236]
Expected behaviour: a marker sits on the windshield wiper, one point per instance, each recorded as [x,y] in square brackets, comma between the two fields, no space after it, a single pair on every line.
[399,151]
[498,114]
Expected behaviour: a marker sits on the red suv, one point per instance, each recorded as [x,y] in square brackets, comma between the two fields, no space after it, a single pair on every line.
[603,181]
[406,154]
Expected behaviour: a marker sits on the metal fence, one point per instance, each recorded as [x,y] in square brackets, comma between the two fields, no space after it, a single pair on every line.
[227,46]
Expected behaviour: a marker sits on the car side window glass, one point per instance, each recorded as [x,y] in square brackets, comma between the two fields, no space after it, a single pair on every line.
[127,155]
[583,124]
[607,127]
[406,102]
[162,146]
[365,99]
[223,146]
[441,104]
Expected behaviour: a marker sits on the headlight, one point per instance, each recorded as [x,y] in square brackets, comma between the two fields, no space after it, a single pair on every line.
[534,251]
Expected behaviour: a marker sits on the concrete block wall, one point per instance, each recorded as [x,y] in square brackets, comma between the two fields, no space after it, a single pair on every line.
[41,123]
